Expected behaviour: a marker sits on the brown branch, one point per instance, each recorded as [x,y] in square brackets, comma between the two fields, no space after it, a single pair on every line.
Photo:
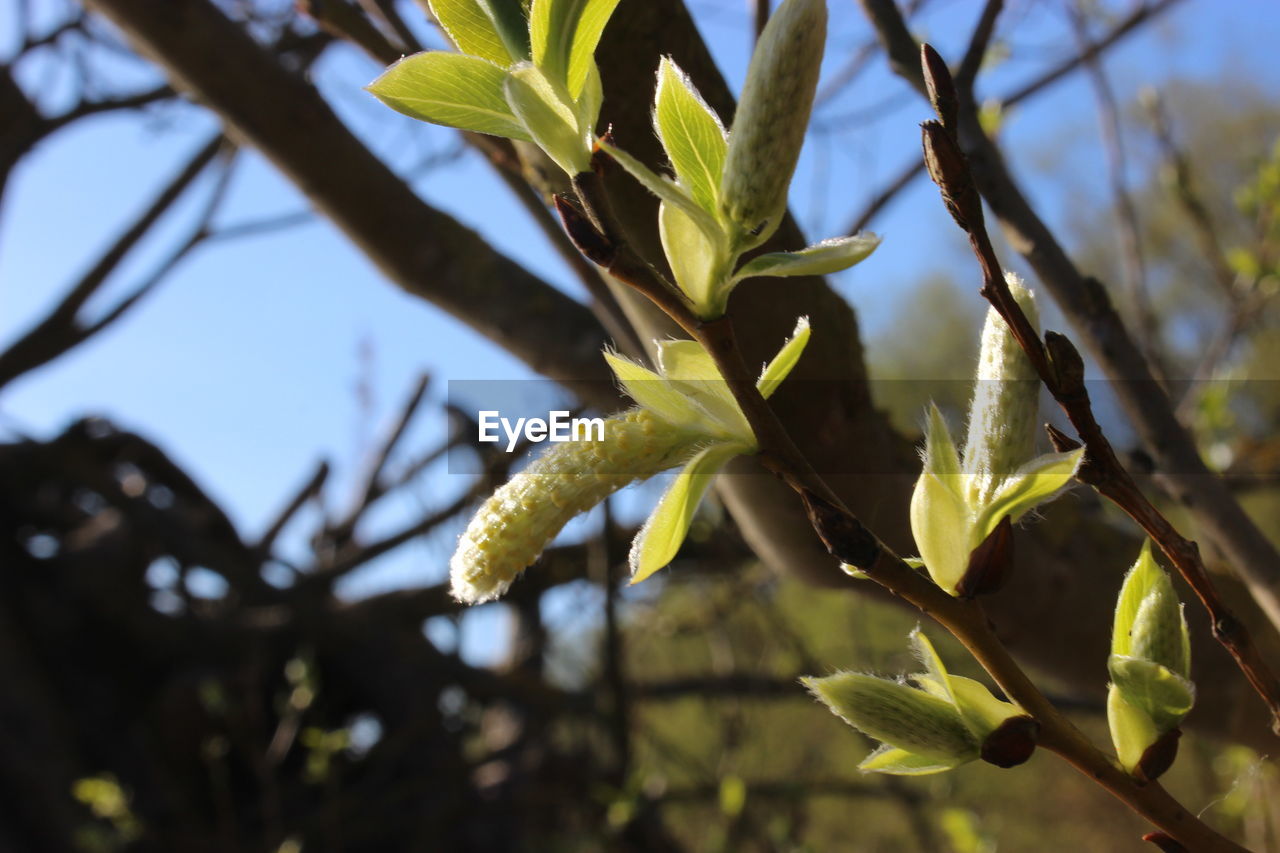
[309,491]
[421,249]
[61,329]
[1128,234]
[1062,371]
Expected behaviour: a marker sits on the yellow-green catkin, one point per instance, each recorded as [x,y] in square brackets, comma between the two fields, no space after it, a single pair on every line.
[1006,395]
[772,116]
[513,526]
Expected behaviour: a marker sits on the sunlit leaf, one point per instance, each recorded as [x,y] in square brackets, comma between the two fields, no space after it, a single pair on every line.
[779,368]
[693,258]
[661,536]
[691,134]
[550,121]
[592,18]
[653,392]
[899,762]
[1034,483]
[452,90]
[667,190]
[1132,729]
[829,256]
[942,528]
[471,28]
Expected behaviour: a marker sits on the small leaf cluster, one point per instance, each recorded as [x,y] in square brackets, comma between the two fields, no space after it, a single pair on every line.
[523,73]
[1150,666]
[688,393]
[936,722]
[960,502]
[730,188]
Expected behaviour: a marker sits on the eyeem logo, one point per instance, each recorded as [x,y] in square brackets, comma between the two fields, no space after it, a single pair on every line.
[557,426]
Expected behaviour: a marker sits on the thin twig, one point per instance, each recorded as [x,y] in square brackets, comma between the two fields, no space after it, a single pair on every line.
[1127,26]
[845,536]
[1128,234]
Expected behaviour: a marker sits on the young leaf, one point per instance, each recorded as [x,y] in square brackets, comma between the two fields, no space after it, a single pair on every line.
[1132,730]
[661,536]
[691,134]
[511,20]
[450,89]
[940,454]
[550,121]
[1159,691]
[1137,583]
[591,22]
[471,29]
[668,191]
[898,715]
[829,256]
[692,256]
[935,681]
[563,36]
[689,369]
[899,762]
[653,392]
[780,366]
[941,525]
[1035,483]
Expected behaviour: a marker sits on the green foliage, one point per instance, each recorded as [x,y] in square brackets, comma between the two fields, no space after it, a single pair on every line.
[1150,662]
[459,91]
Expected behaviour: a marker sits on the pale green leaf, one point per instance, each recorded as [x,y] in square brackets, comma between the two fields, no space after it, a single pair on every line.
[587,106]
[563,36]
[693,258]
[829,256]
[779,368]
[981,710]
[896,714]
[1137,583]
[691,134]
[450,89]
[472,30]
[550,121]
[1166,696]
[661,536]
[899,762]
[592,18]
[940,455]
[1038,481]
[511,20]
[692,371]
[935,671]
[669,191]
[942,528]
[1132,729]
[653,392]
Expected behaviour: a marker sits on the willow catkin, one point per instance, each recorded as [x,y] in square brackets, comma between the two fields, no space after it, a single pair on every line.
[517,522]
[1002,415]
[772,116]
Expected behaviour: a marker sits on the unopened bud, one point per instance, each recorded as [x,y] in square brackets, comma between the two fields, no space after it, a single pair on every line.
[513,526]
[771,120]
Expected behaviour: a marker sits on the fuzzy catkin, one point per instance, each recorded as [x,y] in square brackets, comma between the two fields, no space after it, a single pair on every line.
[1006,400]
[517,522]
[772,116]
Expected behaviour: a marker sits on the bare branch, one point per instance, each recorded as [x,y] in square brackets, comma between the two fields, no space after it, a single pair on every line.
[423,250]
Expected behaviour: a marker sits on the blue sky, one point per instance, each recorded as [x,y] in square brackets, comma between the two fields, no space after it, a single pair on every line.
[245,365]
